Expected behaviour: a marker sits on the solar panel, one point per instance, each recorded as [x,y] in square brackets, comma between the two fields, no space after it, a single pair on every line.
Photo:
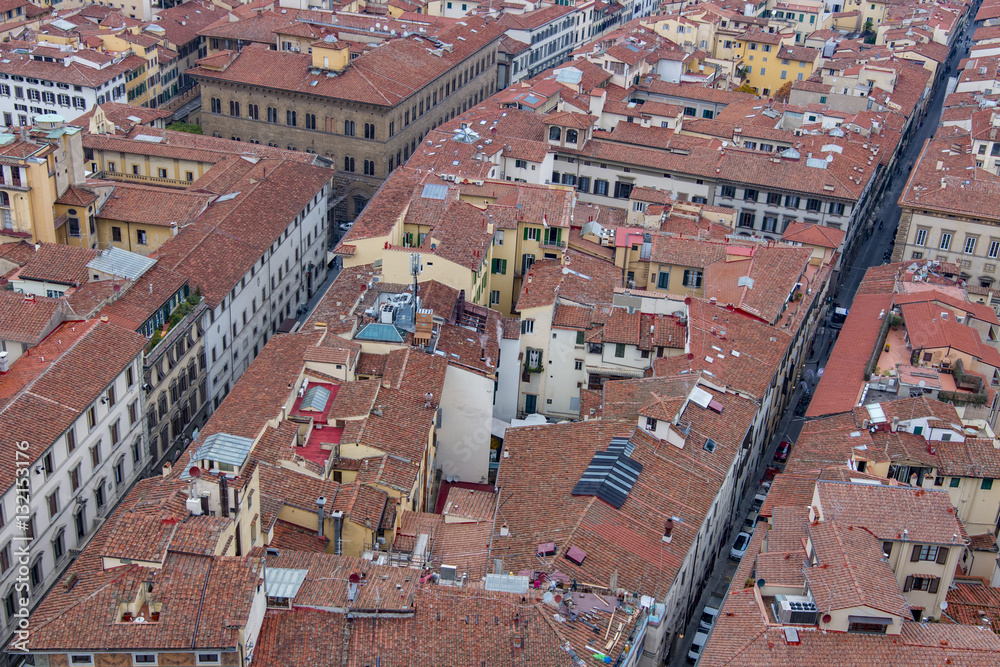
[434,191]
[610,476]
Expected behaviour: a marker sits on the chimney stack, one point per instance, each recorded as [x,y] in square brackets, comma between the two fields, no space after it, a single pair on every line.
[320,504]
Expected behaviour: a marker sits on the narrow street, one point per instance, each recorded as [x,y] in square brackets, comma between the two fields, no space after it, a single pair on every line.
[871,254]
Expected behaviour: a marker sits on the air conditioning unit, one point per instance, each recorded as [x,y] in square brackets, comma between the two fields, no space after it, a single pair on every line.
[448,575]
[795,609]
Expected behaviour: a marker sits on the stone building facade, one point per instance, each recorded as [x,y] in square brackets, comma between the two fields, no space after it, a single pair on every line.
[357,111]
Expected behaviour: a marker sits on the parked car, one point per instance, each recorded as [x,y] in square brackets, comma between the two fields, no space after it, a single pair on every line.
[740,546]
[769,474]
[710,613]
[750,522]
[782,452]
[758,501]
[345,226]
[697,646]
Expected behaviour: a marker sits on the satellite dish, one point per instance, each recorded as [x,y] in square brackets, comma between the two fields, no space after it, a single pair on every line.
[944,605]
[827,618]
[760,583]
[195,471]
[139,619]
[354,578]
[922,384]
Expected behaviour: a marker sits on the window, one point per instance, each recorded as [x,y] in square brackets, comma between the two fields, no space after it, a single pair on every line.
[994,251]
[601,187]
[870,628]
[120,471]
[133,412]
[620,350]
[499,266]
[95,455]
[663,280]
[77,659]
[115,432]
[208,659]
[52,501]
[216,105]
[80,523]
[74,478]
[970,244]
[234,108]
[814,205]
[99,494]
[140,236]
[70,440]
[253,112]
[929,552]
[369,167]
[650,424]
[494,297]
[144,659]
[792,201]
[571,136]
[348,163]
[747,219]
[728,191]
[91,417]
[272,115]
[945,241]
[5,559]
[773,198]
[887,548]
[929,584]
[527,326]
[836,208]
[290,118]
[986,484]
[369,130]
[921,238]
[692,278]
[111,397]
[58,545]
[749,195]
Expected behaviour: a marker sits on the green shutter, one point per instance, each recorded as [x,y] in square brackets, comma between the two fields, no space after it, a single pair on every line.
[526,233]
[558,236]
[503,266]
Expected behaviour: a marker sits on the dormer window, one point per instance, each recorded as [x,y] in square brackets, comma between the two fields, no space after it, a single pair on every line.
[650,424]
[571,136]
[555,134]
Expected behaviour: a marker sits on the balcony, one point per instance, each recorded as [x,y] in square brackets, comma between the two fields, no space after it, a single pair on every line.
[140,178]
[179,321]
[552,245]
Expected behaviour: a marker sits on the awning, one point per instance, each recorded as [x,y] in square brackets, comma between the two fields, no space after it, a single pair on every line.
[616,371]
[871,620]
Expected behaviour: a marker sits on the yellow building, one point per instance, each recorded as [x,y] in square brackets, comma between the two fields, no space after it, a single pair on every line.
[766,62]
[802,16]
[520,224]
[36,168]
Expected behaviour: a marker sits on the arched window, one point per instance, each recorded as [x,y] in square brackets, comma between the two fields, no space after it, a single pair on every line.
[554,134]
[348,163]
[571,136]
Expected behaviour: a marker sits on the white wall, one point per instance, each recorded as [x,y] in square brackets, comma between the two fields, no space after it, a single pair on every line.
[266,306]
[42,485]
[463,440]
[508,378]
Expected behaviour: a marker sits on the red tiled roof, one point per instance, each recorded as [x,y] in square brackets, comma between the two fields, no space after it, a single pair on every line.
[840,387]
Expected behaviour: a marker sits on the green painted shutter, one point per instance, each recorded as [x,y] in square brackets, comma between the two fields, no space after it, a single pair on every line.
[525,233]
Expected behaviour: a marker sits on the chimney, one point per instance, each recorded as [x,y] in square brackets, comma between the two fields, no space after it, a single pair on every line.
[895,424]
[4,364]
[168,468]
[320,504]
[668,528]
[338,521]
